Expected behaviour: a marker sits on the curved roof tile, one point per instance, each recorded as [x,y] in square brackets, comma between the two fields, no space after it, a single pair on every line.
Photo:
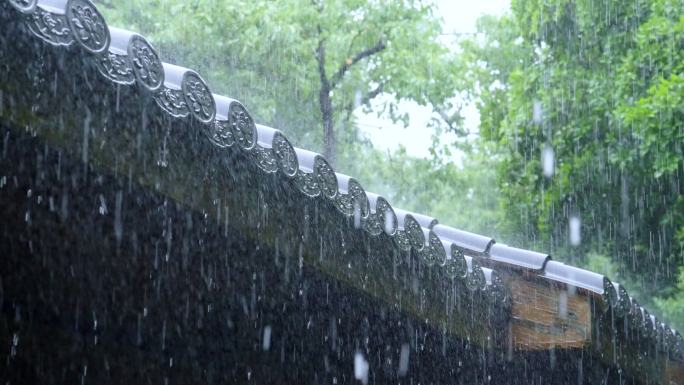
[518,257]
[463,239]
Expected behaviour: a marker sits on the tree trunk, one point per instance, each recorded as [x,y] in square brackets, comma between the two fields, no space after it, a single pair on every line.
[327,85]
[325,104]
[329,142]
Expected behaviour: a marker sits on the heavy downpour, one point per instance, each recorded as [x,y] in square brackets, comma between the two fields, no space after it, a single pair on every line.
[341,192]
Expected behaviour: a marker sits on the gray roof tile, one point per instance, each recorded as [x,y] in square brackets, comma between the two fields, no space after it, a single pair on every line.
[425,221]
[455,265]
[518,257]
[351,200]
[575,276]
[464,239]
[382,217]
[413,231]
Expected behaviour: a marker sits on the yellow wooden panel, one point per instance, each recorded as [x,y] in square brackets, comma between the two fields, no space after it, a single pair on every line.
[546,316]
[674,372]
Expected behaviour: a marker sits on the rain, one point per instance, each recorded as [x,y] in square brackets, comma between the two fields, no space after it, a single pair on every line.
[334,192]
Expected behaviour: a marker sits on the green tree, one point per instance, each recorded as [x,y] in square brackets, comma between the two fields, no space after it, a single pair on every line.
[305,66]
[463,196]
[598,84]
[302,64]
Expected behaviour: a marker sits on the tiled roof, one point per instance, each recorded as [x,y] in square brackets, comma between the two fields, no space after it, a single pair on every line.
[129,59]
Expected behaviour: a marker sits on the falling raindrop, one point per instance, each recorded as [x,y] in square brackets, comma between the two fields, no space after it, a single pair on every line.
[537,112]
[118,97]
[548,160]
[118,222]
[64,207]
[266,343]
[103,205]
[357,215]
[163,161]
[86,134]
[404,360]
[563,305]
[163,335]
[15,344]
[389,222]
[358,98]
[575,225]
[168,237]
[360,368]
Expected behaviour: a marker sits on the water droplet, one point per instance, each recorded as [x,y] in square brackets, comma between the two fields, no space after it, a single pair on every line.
[537,112]
[563,305]
[103,205]
[358,98]
[575,225]
[389,222]
[548,160]
[118,222]
[266,342]
[404,360]
[357,215]
[86,134]
[361,368]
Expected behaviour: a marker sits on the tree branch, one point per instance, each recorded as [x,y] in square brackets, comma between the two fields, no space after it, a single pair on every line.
[378,47]
[370,95]
[351,43]
[445,117]
[449,120]
[320,58]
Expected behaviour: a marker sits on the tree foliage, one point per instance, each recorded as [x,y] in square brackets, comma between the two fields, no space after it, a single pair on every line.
[303,66]
[599,83]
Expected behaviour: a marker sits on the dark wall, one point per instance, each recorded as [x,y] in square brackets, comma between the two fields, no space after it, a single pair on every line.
[105,282]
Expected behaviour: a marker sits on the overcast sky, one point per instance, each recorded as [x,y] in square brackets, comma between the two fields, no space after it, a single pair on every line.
[459,17]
